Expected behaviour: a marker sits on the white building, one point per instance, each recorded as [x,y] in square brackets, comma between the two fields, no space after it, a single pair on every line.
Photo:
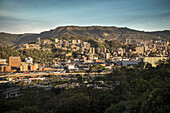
[71,67]
[3,61]
[56,40]
[29,60]
[153,60]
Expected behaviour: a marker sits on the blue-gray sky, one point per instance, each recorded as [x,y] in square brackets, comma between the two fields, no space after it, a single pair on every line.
[34,16]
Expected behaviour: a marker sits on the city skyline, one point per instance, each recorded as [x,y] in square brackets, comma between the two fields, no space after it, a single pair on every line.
[35,16]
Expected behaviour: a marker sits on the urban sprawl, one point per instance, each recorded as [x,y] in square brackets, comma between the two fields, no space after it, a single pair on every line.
[78,58]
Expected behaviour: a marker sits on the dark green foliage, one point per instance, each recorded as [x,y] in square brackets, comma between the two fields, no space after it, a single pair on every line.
[146,90]
[93,43]
[37,55]
[136,90]
[113,44]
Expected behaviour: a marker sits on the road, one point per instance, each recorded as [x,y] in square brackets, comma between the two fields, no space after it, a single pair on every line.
[40,74]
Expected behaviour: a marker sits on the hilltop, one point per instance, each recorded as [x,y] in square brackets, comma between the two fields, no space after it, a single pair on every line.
[79,32]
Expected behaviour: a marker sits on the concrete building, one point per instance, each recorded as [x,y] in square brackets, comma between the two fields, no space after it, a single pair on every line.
[31,46]
[71,67]
[140,50]
[1,68]
[146,48]
[92,50]
[56,40]
[14,61]
[5,68]
[103,50]
[79,41]
[33,67]
[86,45]
[93,57]
[107,55]
[24,67]
[65,43]
[48,42]
[61,42]
[3,61]
[74,42]
[12,92]
[29,60]
[120,51]
[153,60]
[98,50]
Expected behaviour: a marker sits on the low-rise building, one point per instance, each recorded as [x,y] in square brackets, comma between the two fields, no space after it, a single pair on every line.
[5,68]
[24,67]
[3,62]
[153,60]
[29,60]
[33,67]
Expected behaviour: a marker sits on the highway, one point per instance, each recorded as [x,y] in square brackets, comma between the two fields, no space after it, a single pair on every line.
[43,73]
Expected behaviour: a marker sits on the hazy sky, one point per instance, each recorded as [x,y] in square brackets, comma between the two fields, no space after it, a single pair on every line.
[30,16]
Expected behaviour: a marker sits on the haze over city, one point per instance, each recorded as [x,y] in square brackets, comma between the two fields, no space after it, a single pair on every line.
[35,16]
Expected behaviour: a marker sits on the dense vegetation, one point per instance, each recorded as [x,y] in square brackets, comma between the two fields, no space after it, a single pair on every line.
[37,55]
[136,90]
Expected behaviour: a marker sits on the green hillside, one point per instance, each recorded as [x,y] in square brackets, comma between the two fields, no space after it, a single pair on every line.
[84,33]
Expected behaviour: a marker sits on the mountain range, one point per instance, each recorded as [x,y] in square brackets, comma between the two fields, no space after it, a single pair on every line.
[93,32]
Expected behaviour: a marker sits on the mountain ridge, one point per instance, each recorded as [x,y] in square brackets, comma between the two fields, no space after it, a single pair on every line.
[95,32]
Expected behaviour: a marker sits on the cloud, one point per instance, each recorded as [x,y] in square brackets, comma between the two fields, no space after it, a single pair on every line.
[20,25]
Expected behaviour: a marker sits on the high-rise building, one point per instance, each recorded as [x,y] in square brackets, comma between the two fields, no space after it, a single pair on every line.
[86,45]
[107,55]
[14,61]
[146,48]
[98,50]
[79,41]
[103,50]
[92,50]
[74,41]
[65,43]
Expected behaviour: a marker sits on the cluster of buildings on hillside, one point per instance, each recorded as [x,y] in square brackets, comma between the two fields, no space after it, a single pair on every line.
[88,55]
[150,47]
[144,48]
